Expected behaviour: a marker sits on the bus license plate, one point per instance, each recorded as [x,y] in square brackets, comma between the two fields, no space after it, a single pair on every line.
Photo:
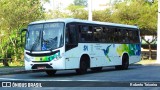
[41,67]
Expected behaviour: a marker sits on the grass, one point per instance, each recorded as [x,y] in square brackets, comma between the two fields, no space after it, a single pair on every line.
[11,66]
[14,64]
[1,64]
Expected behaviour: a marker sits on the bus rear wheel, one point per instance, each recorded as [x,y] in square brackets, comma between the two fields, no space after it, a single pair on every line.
[125,63]
[96,69]
[50,72]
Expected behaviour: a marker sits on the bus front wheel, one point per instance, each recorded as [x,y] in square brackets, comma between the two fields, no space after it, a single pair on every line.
[83,68]
[50,72]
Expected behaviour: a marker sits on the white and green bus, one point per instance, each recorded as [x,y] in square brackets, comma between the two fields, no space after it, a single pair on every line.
[62,44]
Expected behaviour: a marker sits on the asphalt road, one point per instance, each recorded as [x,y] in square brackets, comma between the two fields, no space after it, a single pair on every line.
[135,73]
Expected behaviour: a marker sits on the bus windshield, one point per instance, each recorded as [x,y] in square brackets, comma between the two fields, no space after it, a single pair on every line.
[44,37]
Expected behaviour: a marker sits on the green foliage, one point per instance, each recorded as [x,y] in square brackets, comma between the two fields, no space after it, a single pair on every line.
[102,15]
[55,14]
[77,12]
[14,15]
[137,12]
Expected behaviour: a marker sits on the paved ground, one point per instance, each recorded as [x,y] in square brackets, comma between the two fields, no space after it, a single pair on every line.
[16,70]
[12,70]
[135,73]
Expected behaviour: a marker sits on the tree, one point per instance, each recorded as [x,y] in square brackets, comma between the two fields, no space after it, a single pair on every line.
[14,15]
[55,14]
[102,15]
[77,12]
[138,12]
[149,42]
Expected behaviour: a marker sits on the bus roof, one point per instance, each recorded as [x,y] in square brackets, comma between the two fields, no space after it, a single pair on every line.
[68,20]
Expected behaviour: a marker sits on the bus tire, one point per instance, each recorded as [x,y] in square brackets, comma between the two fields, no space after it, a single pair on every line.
[125,63]
[50,72]
[96,69]
[83,66]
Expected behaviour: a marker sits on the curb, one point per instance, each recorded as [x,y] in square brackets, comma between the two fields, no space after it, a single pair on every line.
[19,72]
[16,72]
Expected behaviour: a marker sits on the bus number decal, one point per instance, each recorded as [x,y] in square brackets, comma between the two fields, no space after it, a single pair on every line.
[85,48]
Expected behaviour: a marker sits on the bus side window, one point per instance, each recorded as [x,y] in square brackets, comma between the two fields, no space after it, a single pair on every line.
[98,34]
[103,34]
[116,35]
[107,35]
[67,36]
[85,33]
[71,34]
[111,35]
[125,36]
[136,36]
[131,36]
[120,35]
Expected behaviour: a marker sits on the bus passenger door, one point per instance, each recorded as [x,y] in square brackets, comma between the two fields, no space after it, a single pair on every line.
[71,45]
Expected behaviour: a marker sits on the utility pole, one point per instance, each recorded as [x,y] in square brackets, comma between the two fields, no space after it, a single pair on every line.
[90,10]
[158,34]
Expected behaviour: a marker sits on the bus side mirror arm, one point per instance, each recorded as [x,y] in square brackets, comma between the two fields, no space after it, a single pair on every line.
[23,30]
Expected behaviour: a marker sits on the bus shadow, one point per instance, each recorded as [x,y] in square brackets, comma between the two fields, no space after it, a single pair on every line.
[72,73]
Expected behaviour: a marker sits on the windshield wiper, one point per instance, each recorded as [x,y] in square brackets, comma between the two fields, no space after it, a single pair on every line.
[36,42]
[51,49]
